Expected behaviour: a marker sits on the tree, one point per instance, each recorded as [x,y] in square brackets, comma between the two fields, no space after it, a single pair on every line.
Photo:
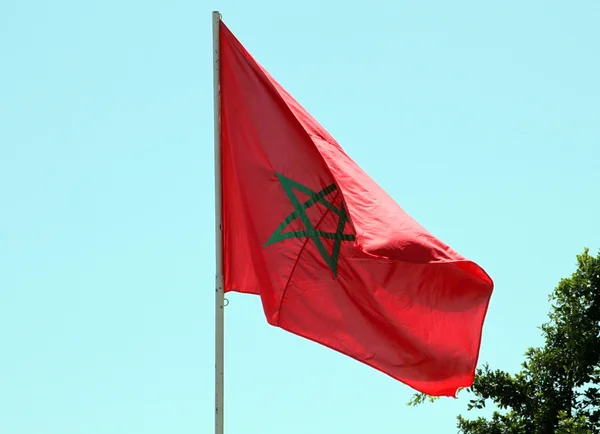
[557,389]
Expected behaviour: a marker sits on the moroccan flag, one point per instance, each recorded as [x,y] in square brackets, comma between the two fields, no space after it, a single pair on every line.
[332,256]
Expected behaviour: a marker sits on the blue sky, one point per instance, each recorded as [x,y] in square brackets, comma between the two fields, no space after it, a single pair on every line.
[479,118]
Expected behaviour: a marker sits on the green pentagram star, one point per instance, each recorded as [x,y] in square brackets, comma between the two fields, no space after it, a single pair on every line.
[309,231]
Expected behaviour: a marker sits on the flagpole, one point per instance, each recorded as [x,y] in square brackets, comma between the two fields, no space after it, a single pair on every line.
[220,295]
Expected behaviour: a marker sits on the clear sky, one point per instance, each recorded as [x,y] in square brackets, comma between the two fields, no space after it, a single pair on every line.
[480,118]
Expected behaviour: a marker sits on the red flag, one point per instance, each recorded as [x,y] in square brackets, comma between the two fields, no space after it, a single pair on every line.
[332,256]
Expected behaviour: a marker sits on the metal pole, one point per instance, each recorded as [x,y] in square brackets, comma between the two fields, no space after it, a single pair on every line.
[220,295]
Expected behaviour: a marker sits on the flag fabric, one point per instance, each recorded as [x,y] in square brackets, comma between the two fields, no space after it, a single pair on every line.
[333,258]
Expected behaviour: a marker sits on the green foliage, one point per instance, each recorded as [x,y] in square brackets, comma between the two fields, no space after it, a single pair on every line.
[557,389]
[420,398]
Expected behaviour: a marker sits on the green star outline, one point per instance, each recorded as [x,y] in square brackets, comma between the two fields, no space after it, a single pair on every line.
[289,186]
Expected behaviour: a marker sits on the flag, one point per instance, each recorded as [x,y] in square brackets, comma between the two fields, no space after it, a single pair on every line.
[332,256]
